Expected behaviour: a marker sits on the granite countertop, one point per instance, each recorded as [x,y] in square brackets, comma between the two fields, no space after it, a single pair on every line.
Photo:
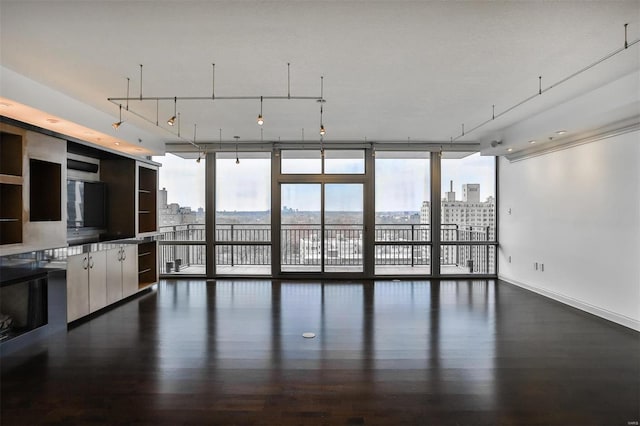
[15,274]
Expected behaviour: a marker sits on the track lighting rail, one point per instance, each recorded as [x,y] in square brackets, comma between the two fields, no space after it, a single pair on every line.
[542,90]
[175,118]
[209,98]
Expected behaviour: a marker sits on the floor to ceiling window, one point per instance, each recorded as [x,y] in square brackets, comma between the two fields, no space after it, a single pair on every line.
[468,211]
[349,212]
[181,206]
[321,211]
[243,213]
[403,213]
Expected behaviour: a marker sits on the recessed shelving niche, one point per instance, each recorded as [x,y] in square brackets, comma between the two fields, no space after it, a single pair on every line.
[147,264]
[45,202]
[147,199]
[10,188]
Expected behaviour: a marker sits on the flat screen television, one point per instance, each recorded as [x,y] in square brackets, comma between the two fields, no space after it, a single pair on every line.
[86,203]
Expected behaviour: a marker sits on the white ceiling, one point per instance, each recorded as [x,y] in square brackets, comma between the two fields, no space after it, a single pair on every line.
[392,70]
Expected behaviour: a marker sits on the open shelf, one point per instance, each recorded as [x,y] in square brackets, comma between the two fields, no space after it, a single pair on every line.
[11,214]
[147,199]
[10,188]
[147,264]
[10,154]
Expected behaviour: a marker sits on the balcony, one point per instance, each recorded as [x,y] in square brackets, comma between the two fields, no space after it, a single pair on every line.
[245,249]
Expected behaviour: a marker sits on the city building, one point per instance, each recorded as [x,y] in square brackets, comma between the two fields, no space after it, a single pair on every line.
[527,312]
[173,214]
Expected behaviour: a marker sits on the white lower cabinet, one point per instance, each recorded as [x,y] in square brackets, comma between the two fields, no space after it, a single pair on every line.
[100,278]
[86,284]
[122,275]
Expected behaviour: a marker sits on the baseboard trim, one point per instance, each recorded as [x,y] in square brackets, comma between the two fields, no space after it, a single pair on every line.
[578,304]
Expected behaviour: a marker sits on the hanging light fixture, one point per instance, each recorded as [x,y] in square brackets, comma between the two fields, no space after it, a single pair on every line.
[172,120]
[260,119]
[119,122]
[237,159]
[195,128]
[322,130]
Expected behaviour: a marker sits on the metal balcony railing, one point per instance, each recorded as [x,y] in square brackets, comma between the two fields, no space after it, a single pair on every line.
[301,244]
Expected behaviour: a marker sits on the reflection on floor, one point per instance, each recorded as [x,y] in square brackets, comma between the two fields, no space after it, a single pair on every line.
[253,270]
[228,352]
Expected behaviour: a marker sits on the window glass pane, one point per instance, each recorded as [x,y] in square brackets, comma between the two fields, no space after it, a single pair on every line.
[343,216]
[468,199]
[403,212]
[300,242]
[300,162]
[342,161]
[243,213]
[181,203]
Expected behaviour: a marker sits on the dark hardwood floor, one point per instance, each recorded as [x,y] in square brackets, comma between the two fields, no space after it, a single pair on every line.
[386,353]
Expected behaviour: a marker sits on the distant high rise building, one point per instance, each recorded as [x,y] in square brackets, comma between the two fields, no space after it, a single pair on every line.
[425,213]
[173,214]
[470,192]
[450,196]
[162,198]
[466,220]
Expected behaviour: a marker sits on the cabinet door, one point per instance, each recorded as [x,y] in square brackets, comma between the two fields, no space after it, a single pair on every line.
[97,280]
[130,270]
[114,275]
[77,287]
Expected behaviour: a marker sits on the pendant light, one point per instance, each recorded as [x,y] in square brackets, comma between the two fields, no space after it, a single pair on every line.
[119,122]
[322,130]
[172,120]
[237,159]
[260,119]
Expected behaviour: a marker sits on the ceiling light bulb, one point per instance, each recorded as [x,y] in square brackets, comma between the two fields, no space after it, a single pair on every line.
[322,130]
[509,149]
[532,141]
[260,119]
[171,121]
[561,132]
[116,125]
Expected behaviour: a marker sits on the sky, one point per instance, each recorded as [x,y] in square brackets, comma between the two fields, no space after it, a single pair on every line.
[401,184]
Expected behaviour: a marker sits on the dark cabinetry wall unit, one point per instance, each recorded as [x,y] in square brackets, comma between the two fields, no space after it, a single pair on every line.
[10,188]
[119,174]
[32,176]
[147,199]
[147,264]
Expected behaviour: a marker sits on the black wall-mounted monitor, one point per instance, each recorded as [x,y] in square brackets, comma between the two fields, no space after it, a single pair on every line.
[86,204]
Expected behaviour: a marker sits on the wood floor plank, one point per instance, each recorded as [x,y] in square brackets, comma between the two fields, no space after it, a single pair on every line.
[193,352]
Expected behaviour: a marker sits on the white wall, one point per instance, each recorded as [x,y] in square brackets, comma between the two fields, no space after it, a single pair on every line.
[577,211]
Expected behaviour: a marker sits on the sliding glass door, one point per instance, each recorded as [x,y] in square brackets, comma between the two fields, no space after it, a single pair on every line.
[301,227]
[343,227]
[321,227]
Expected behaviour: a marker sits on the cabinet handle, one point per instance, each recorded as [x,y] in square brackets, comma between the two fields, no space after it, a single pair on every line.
[124,255]
[119,254]
[85,263]
[91,262]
